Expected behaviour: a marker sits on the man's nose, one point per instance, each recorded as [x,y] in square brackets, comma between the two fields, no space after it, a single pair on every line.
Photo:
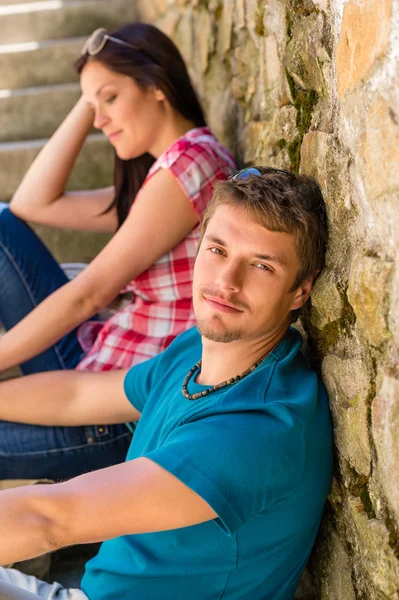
[230,277]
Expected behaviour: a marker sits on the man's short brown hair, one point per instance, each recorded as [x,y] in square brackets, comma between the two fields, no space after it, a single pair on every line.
[280,201]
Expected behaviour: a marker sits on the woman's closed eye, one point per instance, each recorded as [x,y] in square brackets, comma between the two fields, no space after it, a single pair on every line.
[110,99]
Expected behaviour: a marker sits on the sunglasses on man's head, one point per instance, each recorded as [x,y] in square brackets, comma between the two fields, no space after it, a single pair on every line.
[248,171]
[97,41]
[253,171]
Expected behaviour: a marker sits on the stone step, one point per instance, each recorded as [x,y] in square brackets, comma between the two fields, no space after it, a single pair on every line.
[49,19]
[33,113]
[93,169]
[6,2]
[46,62]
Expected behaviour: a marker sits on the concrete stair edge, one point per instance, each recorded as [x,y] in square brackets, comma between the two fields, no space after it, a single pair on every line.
[38,21]
[34,64]
[93,168]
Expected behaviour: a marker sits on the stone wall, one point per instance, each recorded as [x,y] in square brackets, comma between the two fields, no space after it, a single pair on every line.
[312,86]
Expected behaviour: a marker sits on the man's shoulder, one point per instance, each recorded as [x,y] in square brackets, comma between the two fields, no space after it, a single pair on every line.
[284,378]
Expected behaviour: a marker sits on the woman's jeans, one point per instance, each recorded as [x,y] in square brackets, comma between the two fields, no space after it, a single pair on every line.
[28,274]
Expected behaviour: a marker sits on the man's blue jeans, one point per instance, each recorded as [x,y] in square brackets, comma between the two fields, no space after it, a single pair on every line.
[28,274]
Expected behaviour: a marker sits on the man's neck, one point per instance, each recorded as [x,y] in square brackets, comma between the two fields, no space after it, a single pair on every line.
[222,361]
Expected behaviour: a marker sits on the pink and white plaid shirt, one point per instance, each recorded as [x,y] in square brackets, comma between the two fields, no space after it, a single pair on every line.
[161,307]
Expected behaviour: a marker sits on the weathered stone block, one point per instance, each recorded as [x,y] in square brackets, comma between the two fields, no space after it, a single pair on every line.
[363,39]
[379,148]
[275,78]
[326,301]
[226,26]
[347,383]
[169,22]
[385,427]
[245,71]
[314,149]
[367,292]
[205,39]
[306,53]
[184,37]
[337,584]
[262,140]
[375,561]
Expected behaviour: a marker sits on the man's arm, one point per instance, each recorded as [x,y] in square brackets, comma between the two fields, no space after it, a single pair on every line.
[135,497]
[67,398]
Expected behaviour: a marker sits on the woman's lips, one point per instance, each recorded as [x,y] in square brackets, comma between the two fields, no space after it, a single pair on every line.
[112,136]
[222,305]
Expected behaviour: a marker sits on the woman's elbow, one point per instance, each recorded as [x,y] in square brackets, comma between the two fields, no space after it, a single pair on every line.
[18,209]
[89,302]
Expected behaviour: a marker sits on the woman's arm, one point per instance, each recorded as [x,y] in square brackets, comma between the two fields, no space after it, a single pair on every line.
[41,197]
[160,218]
[67,398]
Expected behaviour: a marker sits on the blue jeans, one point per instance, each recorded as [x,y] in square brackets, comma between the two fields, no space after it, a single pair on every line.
[28,274]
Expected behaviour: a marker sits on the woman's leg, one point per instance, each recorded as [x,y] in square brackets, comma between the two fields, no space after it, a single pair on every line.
[28,274]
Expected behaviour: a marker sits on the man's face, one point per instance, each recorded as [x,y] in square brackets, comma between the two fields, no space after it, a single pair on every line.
[242,278]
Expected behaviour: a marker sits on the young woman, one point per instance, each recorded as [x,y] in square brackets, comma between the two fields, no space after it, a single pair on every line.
[136,89]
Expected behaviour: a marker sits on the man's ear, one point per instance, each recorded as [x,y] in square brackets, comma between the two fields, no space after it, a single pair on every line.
[301,294]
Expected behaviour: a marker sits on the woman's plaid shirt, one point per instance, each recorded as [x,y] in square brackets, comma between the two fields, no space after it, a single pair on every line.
[161,307]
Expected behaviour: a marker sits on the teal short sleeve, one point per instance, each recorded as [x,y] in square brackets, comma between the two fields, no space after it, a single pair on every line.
[138,382]
[240,463]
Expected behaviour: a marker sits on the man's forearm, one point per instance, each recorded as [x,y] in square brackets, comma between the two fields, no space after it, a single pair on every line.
[26,529]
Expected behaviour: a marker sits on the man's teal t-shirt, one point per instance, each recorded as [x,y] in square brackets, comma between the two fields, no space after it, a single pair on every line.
[259,452]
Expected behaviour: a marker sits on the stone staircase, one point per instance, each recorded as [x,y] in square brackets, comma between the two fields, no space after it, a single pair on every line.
[38,87]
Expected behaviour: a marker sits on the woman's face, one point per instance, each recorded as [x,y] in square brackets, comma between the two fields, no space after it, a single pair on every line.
[130,116]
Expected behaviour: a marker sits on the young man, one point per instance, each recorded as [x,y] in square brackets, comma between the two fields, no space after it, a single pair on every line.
[226,477]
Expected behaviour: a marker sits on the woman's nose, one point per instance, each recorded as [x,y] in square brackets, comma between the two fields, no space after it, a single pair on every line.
[100,119]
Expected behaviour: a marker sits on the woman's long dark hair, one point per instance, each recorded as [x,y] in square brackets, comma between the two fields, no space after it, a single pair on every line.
[154,61]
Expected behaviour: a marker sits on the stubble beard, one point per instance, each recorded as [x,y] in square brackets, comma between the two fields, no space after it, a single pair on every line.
[224,337]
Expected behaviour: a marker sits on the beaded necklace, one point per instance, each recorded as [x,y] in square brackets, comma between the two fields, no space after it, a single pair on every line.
[218,386]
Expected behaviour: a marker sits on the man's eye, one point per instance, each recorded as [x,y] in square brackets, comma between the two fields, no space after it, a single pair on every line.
[216,250]
[263,267]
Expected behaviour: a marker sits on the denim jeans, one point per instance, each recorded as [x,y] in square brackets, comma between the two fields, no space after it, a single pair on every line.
[28,274]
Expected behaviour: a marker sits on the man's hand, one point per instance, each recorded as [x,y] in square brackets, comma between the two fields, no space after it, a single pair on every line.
[135,497]
[67,398]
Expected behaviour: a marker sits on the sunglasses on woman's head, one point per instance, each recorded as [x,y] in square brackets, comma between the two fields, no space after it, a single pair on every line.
[97,41]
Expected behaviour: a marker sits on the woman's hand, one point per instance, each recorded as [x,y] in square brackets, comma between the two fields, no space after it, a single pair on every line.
[41,196]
